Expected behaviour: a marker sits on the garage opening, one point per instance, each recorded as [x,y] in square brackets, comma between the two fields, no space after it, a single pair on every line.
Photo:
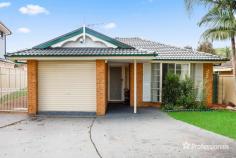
[67,86]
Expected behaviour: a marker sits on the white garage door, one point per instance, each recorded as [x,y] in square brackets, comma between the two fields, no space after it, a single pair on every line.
[68,86]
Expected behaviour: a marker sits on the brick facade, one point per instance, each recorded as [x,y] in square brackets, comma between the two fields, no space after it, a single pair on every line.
[101,84]
[140,102]
[208,82]
[32,67]
[151,104]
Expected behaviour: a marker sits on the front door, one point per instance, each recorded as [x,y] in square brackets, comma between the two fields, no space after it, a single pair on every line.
[115,83]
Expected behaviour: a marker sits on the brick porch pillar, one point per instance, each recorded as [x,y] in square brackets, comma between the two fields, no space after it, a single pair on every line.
[101,84]
[208,82]
[139,84]
[32,70]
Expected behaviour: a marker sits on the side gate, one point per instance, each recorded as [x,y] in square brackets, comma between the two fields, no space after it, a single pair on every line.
[13,88]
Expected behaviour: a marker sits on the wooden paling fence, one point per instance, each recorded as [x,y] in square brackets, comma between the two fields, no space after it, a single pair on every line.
[226,89]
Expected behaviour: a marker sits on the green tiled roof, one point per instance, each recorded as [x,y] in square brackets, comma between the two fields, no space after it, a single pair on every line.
[81,52]
[125,47]
[167,52]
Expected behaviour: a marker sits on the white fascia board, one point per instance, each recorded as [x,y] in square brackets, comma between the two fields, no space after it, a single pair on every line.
[186,62]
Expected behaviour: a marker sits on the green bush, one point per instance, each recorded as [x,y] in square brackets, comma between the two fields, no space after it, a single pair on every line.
[168,106]
[180,94]
[202,105]
[171,91]
[187,99]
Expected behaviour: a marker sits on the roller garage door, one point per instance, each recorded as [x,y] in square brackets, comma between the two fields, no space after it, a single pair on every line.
[66,86]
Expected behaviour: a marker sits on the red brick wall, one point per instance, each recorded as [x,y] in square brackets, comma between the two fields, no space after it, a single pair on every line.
[151,104]
[101,84]
[208,82]
[32,68]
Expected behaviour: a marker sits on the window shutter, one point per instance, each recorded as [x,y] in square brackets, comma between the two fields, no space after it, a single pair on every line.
[146,82]
[198,80]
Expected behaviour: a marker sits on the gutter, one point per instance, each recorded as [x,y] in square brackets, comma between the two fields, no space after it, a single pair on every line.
[84,58]
[217,60]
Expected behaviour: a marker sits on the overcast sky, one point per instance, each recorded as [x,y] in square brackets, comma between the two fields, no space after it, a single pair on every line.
[166,21]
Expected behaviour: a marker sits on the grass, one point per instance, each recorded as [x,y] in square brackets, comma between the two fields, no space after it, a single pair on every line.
[221,122]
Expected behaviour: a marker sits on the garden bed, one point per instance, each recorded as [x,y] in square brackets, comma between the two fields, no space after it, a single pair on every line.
[186,110]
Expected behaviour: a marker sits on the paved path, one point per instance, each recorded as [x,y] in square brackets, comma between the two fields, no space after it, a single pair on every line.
[150,133]
[11,118]
[153,133]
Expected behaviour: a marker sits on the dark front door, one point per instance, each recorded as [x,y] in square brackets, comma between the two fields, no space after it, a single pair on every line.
[115,83]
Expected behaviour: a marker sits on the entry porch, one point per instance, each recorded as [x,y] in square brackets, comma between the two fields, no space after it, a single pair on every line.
[138,83]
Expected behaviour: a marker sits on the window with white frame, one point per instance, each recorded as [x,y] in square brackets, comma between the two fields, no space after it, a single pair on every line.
[155,82]
[171,68]
[182,70]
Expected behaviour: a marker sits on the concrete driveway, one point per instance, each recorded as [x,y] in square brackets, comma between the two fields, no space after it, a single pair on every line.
[150,133]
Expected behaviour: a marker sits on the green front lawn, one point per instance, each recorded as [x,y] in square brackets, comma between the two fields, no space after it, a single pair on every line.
[221,122]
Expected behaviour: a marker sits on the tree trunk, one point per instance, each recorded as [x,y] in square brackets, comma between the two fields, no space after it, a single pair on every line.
[233,55]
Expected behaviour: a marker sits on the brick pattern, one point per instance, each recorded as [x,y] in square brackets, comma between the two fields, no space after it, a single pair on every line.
[101,84]
[139,84]
[151,104]
[208,82]
[140,102]
[32,67]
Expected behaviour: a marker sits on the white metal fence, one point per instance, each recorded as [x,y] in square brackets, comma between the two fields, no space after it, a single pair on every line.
[13,88]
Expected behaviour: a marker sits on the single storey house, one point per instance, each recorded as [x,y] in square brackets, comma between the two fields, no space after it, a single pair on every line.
[84,70]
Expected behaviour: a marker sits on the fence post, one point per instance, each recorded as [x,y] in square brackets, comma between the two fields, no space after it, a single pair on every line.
[215,88]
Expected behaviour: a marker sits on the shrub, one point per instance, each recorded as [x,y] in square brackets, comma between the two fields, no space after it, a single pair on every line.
[171,91]
[180,94]
[167,106]
[202,105]
[187,98]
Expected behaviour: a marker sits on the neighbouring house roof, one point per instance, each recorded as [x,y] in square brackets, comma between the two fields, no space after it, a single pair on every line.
[124,47]
[4,29]
[227,66]
[80,31]
[82,52]
[167,52]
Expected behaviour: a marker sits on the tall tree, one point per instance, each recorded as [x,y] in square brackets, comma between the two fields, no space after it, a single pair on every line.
[206,47]
[220,20]
[221,3]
